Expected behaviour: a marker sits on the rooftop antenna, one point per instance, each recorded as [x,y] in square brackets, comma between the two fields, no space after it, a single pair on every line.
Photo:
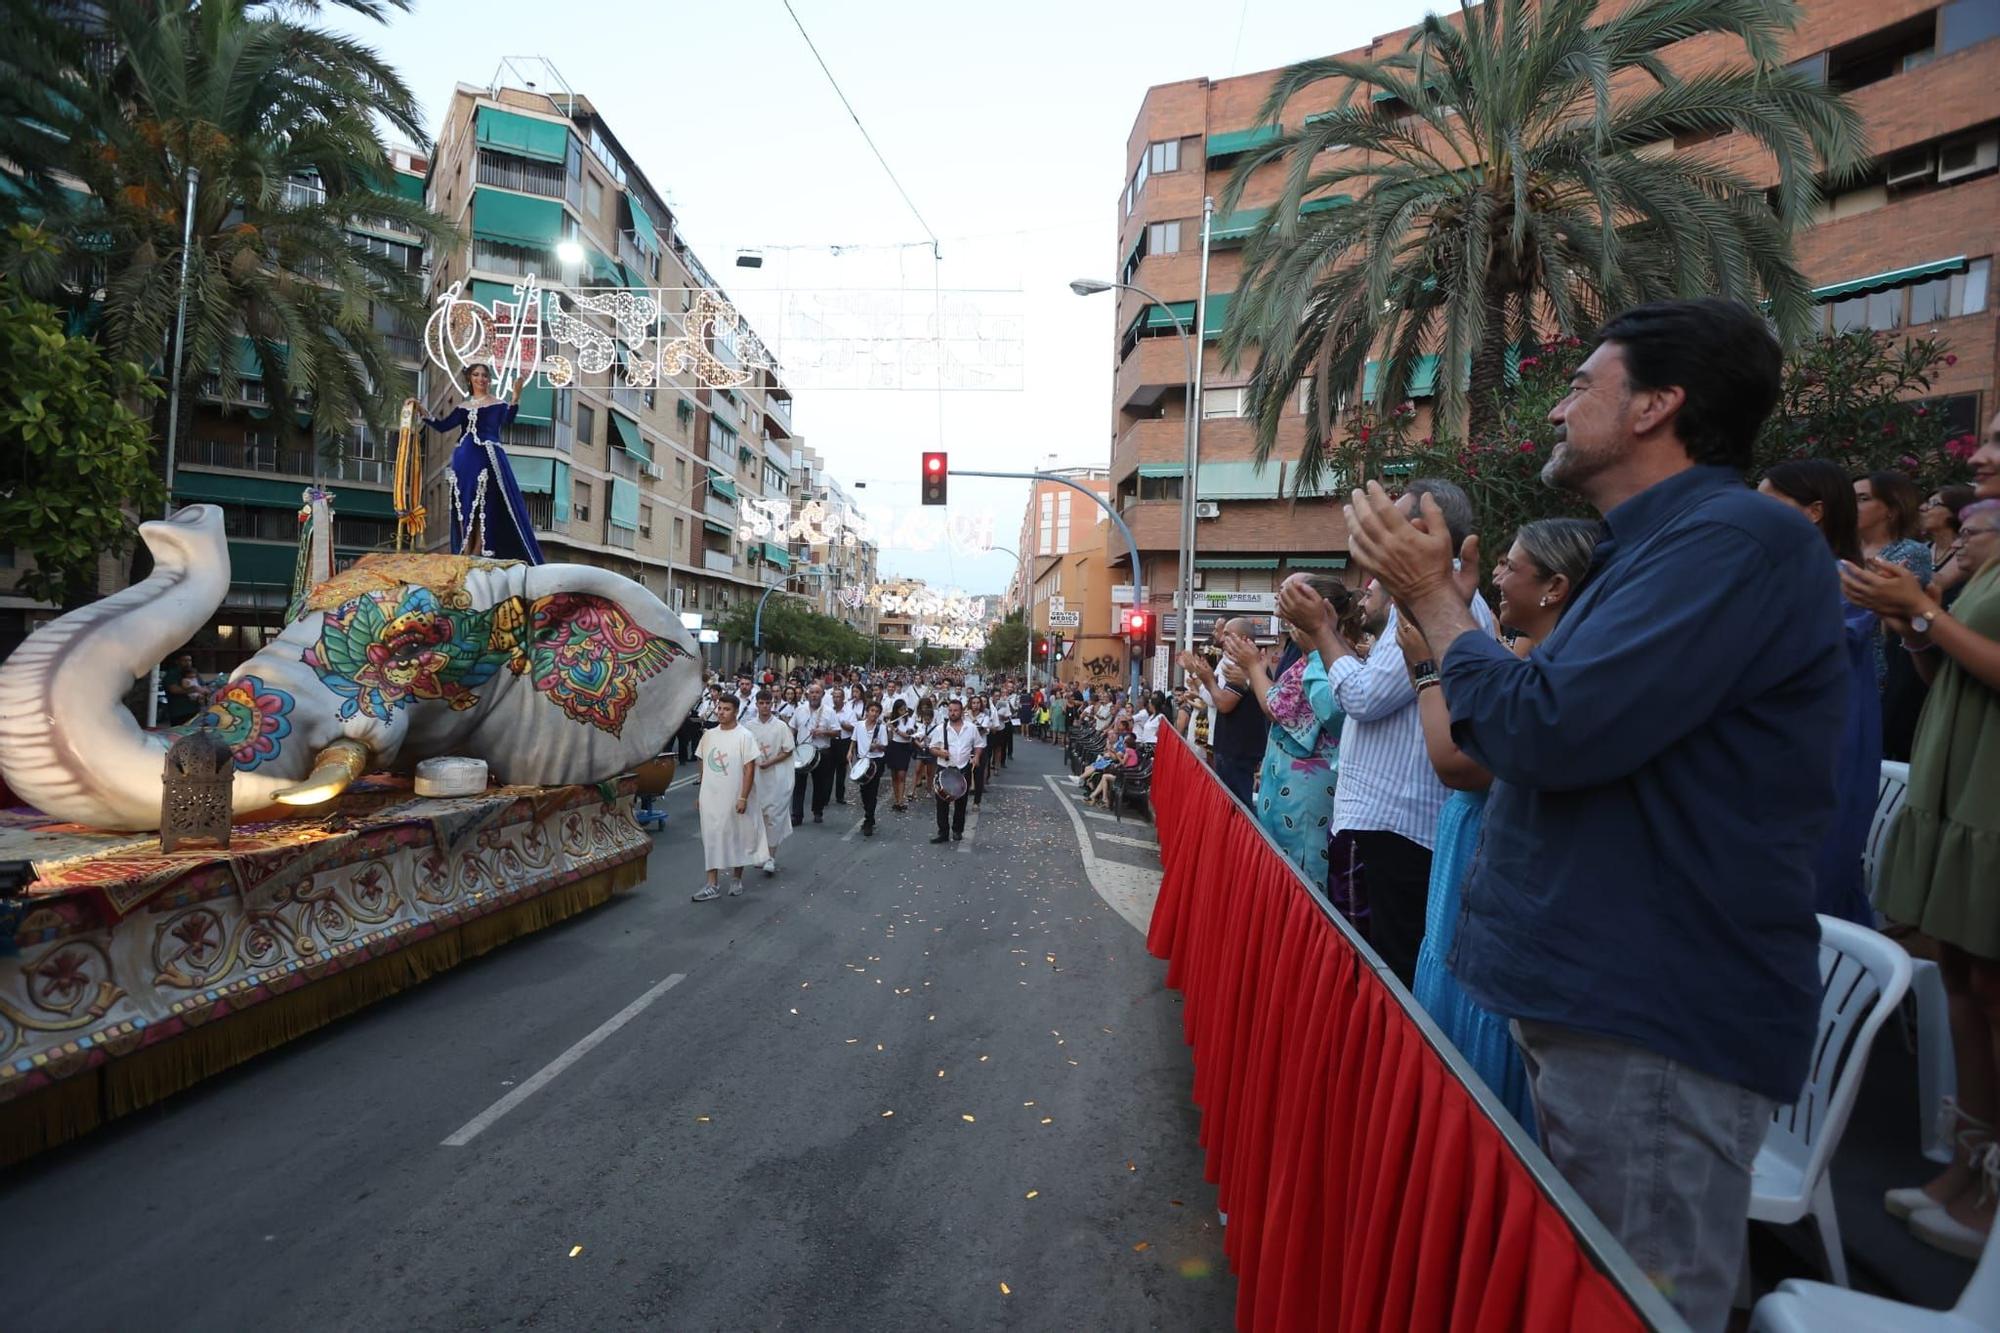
[532,73]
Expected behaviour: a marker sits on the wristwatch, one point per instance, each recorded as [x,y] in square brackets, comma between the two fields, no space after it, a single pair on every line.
[1424,673]
[1921,623]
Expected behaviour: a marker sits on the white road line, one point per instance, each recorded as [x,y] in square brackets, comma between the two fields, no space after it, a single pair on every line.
[1130,890]
[1012,786]
[971,827]
[1146,843]
[850,834]
[1104,815]
[547,1073]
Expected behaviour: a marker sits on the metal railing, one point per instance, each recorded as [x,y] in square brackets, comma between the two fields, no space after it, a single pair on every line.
[623,464]
[290,461]
[634,400]
[518,173]
[533,435]
[623,539]
[719,509]
[718,562]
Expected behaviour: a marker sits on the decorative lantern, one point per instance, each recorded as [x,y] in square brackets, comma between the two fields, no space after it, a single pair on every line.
[196,798]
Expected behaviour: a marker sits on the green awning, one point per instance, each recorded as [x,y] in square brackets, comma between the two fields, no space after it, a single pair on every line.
[1240,141]
[777,555]
[642,226]
[624,504]
[1236,481]
[535,474]
[631,277]
[1218,314]
[1236,562]
[1232,228]
[222,489]
[1895,277]
[359,502]
[538,405]
[1161,470]
[546,140]
[627,431]
[1132,255]
[263,564]
[559,496]
[722,485]
[1423,379]
[489,293]
[719,529]
[1381,95]
[605,270]
[1317,561]
[410,187]
[1325,202]
[517,219]
[1163,317]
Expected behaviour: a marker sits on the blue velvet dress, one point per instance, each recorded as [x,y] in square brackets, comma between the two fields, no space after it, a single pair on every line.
[1481,1036]
[485,499]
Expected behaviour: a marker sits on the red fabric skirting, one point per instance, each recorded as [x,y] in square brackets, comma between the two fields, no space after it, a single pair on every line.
[1365,1187]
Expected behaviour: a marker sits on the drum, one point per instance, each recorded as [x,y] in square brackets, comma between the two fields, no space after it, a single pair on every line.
[805,756]
[950,784]
[862,770]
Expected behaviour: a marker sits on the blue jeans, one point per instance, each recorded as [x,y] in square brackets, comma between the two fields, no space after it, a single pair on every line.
[1661,1152]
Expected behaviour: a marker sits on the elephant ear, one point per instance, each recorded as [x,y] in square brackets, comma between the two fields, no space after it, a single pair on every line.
[645,610]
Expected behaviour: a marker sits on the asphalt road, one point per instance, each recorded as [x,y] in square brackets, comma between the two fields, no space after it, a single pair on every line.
[898,1086]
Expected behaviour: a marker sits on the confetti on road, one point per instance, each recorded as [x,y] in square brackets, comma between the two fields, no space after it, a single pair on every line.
[967,1119]
[887,1114]
[1031,1194]
[795,1011]
[1194,1268]
[1006,1290]
[1142,1247]
[701,1120]
[1048,1120]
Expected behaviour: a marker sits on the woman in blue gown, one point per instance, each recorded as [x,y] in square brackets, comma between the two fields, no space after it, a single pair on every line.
[488,515]
[1535,580]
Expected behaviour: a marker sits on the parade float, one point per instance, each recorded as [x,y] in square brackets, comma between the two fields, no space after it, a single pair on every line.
[132,966]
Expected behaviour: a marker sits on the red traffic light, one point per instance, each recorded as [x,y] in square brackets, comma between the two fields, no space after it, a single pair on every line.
[935,470]
[934,462]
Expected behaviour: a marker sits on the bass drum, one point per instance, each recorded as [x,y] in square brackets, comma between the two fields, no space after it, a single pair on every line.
[805,756]
[863,770]
[950,784]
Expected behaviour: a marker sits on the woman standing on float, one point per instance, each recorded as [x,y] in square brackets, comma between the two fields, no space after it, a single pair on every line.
[488,515]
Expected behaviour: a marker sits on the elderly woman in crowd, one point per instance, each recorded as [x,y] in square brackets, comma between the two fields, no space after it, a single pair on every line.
[1941,867]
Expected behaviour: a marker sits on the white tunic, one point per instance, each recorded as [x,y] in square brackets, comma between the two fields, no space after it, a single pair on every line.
[729,839]
[773,794]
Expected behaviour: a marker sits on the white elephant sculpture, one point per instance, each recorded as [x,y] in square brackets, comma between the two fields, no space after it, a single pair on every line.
[550,673]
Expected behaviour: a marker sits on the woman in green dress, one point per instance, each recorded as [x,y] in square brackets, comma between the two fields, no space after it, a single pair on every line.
[1941,868]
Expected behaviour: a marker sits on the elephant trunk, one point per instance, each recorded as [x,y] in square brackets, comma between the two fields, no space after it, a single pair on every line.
[66,744]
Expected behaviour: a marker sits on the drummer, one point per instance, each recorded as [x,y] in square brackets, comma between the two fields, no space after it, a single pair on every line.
[904,733]
[870,743]
[957,747]
[827,716]
[804,720]
[774,775]
[846,707]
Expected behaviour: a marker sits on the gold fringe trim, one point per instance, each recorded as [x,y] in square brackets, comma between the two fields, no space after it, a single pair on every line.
[74,1106]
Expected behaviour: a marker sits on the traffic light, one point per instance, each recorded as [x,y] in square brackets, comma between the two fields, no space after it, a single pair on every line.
[1041,647]
[935,471]
[1138,629]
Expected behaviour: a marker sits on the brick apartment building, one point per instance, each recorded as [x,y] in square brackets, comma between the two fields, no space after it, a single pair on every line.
[1064,543]
[1910,249]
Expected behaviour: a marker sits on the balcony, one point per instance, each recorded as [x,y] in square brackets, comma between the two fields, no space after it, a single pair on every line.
[722,457]
[718,562]
[1156,440]
[403,347]
[285,460]
[779,406]
[535,435]
[623,464]
[634,258]
[719,509]
[541,514]
[373,471]
[778,454]
[519,173]
[623,539]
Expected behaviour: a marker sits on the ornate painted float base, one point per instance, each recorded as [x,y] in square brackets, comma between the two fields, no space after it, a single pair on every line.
[139,974]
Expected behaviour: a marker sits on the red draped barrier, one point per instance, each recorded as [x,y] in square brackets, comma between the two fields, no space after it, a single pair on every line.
[1365,1186]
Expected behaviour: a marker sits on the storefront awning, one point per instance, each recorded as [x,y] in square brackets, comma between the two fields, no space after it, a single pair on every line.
[1895,277]
[517,219]
[1236,562]
[1317,561]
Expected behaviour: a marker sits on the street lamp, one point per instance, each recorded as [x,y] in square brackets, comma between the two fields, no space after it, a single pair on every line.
[1027,611]
[1184,579]
[570,252]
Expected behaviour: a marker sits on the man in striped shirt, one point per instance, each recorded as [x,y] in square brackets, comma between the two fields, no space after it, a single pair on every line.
[1386,807]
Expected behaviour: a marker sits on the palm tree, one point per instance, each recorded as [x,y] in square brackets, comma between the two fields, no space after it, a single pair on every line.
[278,120]
[1513,174]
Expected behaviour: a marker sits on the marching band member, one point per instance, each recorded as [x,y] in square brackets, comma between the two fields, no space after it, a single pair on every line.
[774,766]
[732,834]
[871,741]
[904,733]
[847,706]
[826,734]
[981,714]
[957,745]
[804,719]
[926,770]
[706,711]
[1003,723]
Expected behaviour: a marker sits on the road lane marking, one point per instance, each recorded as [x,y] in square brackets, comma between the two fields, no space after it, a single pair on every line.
[474,1127]
[971,827]
[1130,891]
[1146,843]
[1104,815]
[849,835]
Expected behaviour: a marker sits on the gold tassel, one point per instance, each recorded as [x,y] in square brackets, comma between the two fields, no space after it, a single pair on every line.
[408,481]
[74,1106]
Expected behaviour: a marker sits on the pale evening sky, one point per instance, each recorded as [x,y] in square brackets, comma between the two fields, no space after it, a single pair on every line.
[1006,124]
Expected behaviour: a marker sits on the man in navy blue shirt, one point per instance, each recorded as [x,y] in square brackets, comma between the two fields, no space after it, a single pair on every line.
[1641,904]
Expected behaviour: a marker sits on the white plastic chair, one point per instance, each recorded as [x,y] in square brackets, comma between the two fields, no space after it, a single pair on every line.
[1863,977]
[1890,790]
[1814,1307]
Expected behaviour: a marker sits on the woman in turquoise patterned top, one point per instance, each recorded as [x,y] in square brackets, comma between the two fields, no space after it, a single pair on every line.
[1302,757]
[1535,581]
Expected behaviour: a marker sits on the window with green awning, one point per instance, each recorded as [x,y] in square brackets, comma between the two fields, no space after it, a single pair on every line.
[777,555]
[624,505]
[518,219]
[534,474]
[1895,277]
[627,431]
[643,230]
[1161,469]
[538,405]
[1236,481]
[356,502]
[605,270]
[722,486]
[1235,228]
[1236,562]
[559,497]
[262,564]
[719,529]
[1162,318]
[1317,561]
[1240,141]
[545,140]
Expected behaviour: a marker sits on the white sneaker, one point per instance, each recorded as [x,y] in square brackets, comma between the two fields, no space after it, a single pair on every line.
[1940,1230]
[736,887]
[708,894]
[771,865]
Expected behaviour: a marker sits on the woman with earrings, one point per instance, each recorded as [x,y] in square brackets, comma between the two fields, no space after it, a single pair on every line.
[488,515]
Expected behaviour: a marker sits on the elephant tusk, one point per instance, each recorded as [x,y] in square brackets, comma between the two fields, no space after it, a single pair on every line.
[333,769]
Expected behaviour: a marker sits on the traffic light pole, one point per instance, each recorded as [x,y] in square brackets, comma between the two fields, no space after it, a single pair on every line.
[1131,546]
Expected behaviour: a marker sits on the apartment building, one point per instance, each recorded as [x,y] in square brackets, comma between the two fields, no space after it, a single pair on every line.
[1908,250]
[839,562]
[1065,542]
